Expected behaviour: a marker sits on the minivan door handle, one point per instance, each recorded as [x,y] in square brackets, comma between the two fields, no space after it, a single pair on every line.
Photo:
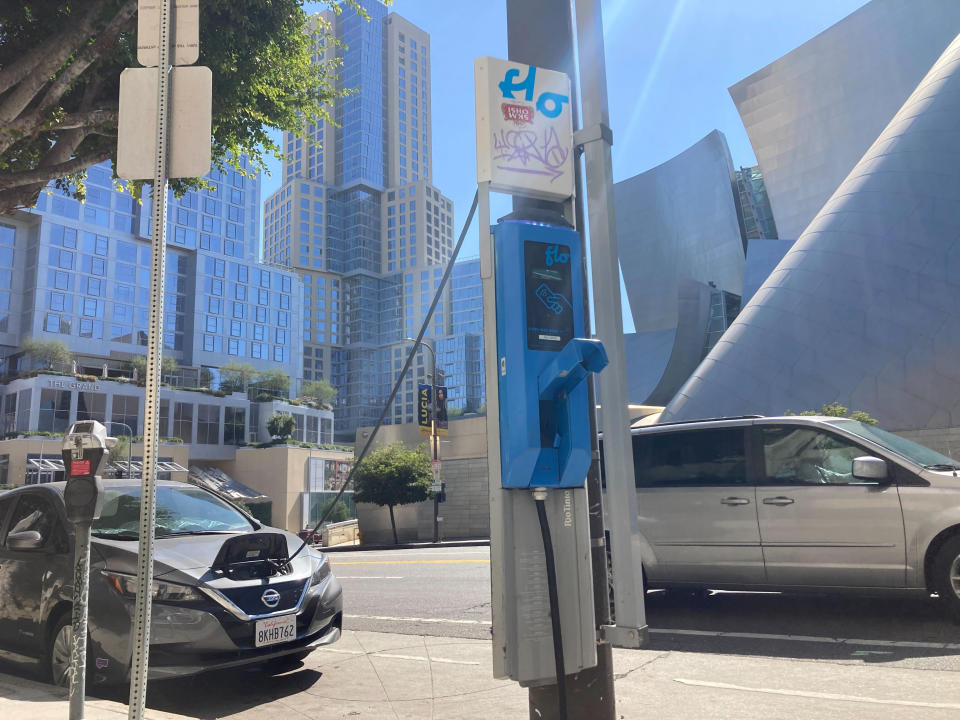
[735,501]
[779,500]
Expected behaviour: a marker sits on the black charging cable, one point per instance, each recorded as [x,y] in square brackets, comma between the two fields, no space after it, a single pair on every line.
[396,386]
[539,497]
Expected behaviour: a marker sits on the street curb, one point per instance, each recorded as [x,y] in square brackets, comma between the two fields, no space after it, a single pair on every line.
[479,542]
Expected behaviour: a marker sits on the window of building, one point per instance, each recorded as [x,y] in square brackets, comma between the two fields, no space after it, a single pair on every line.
[91,406]
[234,425]
[54,410]
[183,421]
[208,424]
[126,410]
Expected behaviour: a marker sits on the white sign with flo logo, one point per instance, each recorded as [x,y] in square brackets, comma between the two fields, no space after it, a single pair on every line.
[524,129]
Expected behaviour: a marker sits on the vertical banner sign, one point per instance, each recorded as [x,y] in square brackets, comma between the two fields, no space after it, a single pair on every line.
[424,396]
[524,129]
[442,410]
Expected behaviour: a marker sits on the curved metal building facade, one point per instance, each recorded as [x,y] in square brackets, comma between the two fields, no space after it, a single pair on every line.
[863,308]
[812,114]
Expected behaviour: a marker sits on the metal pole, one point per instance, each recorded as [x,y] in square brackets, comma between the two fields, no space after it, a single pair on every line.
[596,137]
[433,433]
[148,504]
[433,429]
[81,591]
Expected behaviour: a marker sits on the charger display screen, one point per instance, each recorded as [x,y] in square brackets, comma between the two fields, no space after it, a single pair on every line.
[548,295]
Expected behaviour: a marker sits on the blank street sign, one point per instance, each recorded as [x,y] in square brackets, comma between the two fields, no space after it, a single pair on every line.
[188,142]
[184,32]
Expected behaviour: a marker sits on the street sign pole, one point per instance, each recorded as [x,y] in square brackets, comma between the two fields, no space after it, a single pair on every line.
[148,501]
[181,148]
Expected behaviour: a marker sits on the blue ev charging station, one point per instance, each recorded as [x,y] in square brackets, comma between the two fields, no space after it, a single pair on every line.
[544,358]
[537,361]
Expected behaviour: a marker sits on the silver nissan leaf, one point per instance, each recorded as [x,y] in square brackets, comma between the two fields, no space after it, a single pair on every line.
[225,591]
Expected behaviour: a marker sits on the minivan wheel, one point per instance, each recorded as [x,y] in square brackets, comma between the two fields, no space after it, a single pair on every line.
[59,650]
[946,575]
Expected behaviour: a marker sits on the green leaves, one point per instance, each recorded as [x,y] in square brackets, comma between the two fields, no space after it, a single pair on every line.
[393,475]
[261,55]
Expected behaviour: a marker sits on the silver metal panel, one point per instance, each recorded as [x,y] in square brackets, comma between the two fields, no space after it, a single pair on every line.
[522,635]
[812,114]
[678,220]
[862,310]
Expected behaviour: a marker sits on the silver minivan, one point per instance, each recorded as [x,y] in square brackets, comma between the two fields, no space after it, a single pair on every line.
[796,502]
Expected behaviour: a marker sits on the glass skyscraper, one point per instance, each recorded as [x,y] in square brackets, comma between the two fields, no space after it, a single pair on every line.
[359,219]
[80,272]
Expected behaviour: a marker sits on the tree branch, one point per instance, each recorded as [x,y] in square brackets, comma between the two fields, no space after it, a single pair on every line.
[21,197]
[69,40]
[57,52]
[106,38]
[88,120]
[44,174]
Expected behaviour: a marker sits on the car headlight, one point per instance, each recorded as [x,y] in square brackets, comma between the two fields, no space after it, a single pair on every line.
[169,592]
[321,568]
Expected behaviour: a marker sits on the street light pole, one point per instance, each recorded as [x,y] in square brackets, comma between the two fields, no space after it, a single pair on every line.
[129,446]
[433,430]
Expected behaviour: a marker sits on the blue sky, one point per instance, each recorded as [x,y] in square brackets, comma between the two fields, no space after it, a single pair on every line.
[669,64]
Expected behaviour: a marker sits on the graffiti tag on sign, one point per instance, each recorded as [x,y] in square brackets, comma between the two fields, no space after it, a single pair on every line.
[524,129]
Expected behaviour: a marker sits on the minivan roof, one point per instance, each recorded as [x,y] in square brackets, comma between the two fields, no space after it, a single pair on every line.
[735,420]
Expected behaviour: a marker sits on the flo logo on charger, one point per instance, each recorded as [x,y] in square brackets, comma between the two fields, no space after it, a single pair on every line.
[555,255]
[550,104]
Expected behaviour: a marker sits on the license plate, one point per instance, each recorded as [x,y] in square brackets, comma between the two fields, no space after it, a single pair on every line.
[271,631]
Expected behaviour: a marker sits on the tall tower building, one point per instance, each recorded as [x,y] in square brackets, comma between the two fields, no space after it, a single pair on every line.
[358,217]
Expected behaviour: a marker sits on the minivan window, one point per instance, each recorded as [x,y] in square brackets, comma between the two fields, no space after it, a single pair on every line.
[901,446]
[694,458]
[806,456]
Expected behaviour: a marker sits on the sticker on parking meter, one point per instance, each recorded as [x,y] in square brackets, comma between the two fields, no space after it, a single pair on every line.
[79,467]
[547,271]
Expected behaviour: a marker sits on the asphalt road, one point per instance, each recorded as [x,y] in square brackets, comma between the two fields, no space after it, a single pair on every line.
[776,655]
[442,591]
[446,592]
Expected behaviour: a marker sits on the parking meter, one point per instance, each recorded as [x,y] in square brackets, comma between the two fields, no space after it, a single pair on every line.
[544,358]
[84,450]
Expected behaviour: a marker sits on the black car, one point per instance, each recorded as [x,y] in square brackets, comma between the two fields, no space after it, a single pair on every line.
[225,592]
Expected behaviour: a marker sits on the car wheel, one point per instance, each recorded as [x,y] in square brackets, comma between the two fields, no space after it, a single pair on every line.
[59,649]
[946,575]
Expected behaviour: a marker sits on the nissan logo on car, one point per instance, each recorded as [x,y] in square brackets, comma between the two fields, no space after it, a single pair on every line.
[270,598]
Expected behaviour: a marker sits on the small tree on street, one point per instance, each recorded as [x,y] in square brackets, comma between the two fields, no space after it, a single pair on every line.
[393,475]
[281,425]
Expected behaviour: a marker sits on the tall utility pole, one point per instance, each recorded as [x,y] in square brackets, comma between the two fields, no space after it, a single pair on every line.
[434,440]
[540,32]
[163,132]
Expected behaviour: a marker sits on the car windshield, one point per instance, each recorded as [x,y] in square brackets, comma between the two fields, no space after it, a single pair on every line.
[185,510]
[901,446]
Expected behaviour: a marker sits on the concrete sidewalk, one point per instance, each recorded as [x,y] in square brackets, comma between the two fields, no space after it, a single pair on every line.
[22,699]
[369,676]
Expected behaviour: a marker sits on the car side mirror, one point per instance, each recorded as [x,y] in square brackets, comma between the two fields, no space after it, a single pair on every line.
[25,540]
[870,468]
